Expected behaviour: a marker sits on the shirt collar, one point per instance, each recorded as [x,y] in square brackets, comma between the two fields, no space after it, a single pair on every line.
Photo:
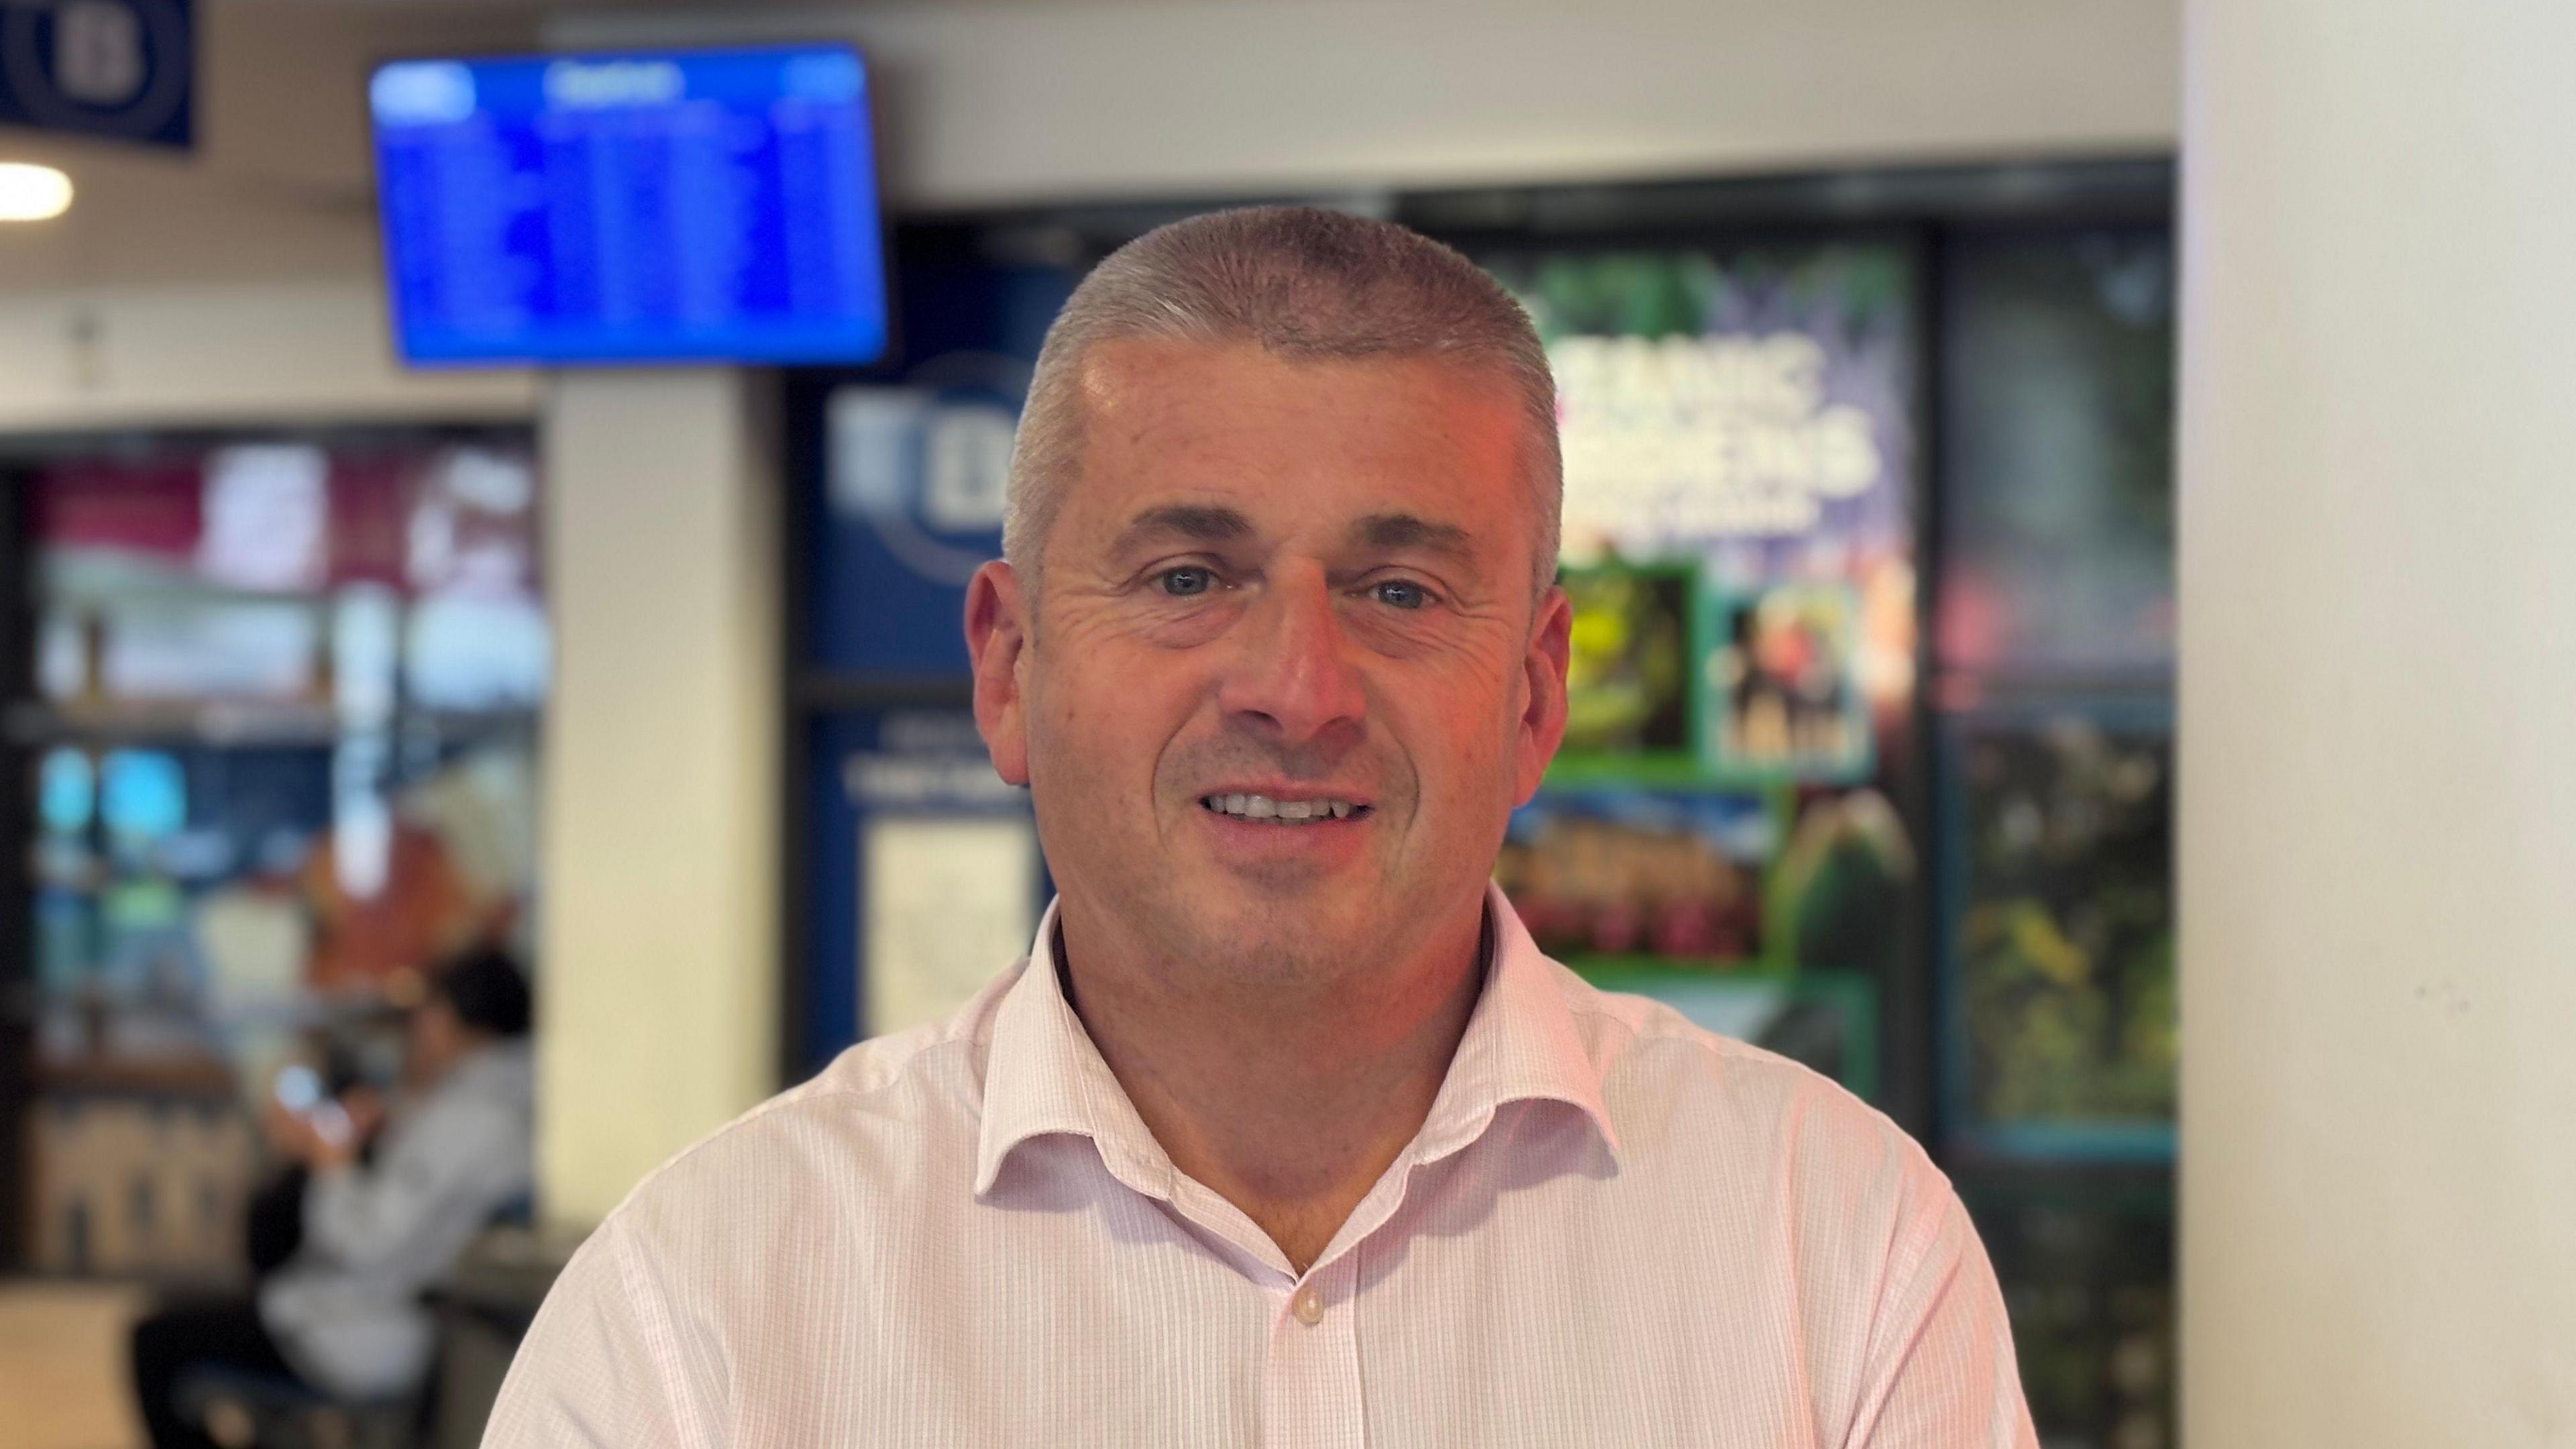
[1522,1044]
[1044,1076]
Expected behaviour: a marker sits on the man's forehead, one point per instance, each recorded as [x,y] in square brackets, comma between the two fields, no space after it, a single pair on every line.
[1229,441]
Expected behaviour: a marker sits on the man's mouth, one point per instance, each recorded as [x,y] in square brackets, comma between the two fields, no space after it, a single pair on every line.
[1262,809]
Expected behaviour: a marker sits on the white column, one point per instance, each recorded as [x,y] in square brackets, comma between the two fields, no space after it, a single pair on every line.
[2378,831]
[658,948]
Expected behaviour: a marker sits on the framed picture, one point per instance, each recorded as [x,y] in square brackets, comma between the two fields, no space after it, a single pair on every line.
[2057,930]
[1645,874]
[1780,686]
[1631,710]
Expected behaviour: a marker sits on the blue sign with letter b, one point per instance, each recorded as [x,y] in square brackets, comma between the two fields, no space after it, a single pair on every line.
[122,69]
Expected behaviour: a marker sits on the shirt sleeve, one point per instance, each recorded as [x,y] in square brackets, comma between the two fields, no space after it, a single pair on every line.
[599,1367]
[1941,1352]
[360,1217]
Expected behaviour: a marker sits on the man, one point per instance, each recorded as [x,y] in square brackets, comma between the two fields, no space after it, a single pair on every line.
[1285,1133]
[344,1313]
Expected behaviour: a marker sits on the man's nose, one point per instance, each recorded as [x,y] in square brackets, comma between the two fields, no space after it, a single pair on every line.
[1292,676]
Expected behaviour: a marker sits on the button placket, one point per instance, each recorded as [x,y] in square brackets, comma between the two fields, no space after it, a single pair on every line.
[1311,1389]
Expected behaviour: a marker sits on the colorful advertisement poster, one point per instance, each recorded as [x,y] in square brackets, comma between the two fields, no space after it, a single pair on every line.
[1739,551]
[1742,420]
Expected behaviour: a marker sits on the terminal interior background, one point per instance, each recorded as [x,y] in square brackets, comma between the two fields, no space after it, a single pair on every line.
[317,667]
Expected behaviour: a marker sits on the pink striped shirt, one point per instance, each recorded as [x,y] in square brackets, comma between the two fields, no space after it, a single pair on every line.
[1614,1228]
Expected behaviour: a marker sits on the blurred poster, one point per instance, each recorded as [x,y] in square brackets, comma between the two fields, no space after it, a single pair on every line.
[1751,427]
[1740,540]
[267,517]
[1607,872]
[2057,528]
[1739,426]
[1631,659]
[950,903]
[924,469]
[908,468]
[150,509]
[1783,684]
[160,649]
[2060,930]
[1845,880]
[1755,405]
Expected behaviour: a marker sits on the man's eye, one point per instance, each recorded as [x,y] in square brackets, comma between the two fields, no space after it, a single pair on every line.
[1401,594]
[1182,583]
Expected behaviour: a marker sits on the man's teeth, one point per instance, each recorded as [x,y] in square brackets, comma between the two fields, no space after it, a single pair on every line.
[1279,812]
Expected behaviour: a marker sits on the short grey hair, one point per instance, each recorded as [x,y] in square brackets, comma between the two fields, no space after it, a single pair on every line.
[1305,284]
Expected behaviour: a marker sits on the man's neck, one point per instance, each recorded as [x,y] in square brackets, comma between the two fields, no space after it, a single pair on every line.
[1290,1110]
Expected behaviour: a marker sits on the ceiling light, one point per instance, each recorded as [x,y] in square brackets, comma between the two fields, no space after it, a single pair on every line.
[32,193]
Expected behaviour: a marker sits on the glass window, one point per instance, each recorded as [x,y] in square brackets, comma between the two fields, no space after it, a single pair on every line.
[284,720]
[2053,651]
[2057,438]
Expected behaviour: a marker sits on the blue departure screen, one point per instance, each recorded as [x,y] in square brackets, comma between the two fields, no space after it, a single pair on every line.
[697,206]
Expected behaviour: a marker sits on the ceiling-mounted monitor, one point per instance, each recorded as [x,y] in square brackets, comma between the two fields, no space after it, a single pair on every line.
[679,206]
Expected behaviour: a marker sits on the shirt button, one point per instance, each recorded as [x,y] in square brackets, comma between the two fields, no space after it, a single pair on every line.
[1308,1306]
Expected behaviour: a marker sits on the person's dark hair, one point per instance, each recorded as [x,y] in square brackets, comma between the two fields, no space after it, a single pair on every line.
[487,991]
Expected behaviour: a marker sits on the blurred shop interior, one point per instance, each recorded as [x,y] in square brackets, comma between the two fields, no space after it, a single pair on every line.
[371,594]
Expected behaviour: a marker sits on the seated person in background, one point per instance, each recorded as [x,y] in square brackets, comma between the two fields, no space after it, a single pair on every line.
[344,1313]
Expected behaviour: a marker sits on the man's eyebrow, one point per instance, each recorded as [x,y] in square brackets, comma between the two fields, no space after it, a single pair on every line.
[1200,523]
[1394,531]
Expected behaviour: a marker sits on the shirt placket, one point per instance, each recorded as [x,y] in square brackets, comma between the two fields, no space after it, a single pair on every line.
[1310,1385]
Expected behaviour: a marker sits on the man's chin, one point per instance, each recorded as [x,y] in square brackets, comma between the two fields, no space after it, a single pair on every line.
[1264,913]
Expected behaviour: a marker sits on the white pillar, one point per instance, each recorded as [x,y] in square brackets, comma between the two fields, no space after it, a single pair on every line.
[2378,830]
[658,947]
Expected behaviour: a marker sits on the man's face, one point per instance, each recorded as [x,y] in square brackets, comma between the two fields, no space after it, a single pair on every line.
[436,1038]
[1285,681]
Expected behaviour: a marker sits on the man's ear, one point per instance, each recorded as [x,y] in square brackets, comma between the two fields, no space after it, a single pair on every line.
[997,638]
[1542,723]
